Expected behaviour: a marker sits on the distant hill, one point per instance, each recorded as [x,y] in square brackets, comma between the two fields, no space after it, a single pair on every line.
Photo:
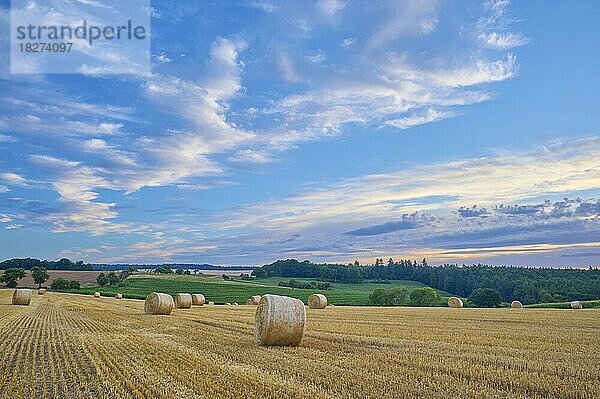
[29,263]
[528,285]
[67,264]
[174,266]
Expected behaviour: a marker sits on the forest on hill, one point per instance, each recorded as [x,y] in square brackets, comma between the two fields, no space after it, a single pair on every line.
[528,285]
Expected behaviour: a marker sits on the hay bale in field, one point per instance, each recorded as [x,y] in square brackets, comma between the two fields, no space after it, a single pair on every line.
[96,294]
[198,299]
[254,300]
[119,296]
[455,302]
[21,296]
[159,303]
[279,321]
[576,305]
[42,291]
[211,303]
[516,305]
[235,304]
[183,301]
[317,301]
[227,304]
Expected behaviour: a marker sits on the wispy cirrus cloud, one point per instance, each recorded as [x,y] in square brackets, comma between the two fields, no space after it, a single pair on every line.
[330,7]
[13,179]
[503,41]
[430,115]
[495,27]
[79,209]
[503,177]
[4,138]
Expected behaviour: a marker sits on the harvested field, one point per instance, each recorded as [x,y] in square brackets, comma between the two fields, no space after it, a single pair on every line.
[84,277]
[72,346]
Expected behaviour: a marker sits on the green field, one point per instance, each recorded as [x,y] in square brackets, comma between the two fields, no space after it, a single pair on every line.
[215,289]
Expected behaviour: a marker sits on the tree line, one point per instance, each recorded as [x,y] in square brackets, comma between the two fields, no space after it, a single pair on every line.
[528,285]
[30,263]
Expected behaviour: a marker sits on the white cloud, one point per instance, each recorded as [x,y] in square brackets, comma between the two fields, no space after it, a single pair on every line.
[286,67]
[7,139]
[64,107]
[479,72]
[391,97]
[316,58]
[80,209]
[251,156]
[406,18]
[428,25]
[494,27]
[162,58]
[348,42]
[13,178]
[94,145]
[330,8]
[53,162]
[503,41]
[157,160]
[101,128]
[36,126]
[164,249]
[265,6]
[430,115]
[205,186]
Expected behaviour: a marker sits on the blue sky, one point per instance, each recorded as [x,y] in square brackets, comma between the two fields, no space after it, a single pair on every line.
[324,130]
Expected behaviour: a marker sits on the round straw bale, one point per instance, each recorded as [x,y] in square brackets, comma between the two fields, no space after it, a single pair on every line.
[96,294]
[235,304]
[516,304]
[228,303]
[576,305]
[22,296]
[198,299]
[255,299]
[455,302]
[42,291]
[317,301]
[119,296]
[183,301]
[158,303]
[211,303]
[279,321]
